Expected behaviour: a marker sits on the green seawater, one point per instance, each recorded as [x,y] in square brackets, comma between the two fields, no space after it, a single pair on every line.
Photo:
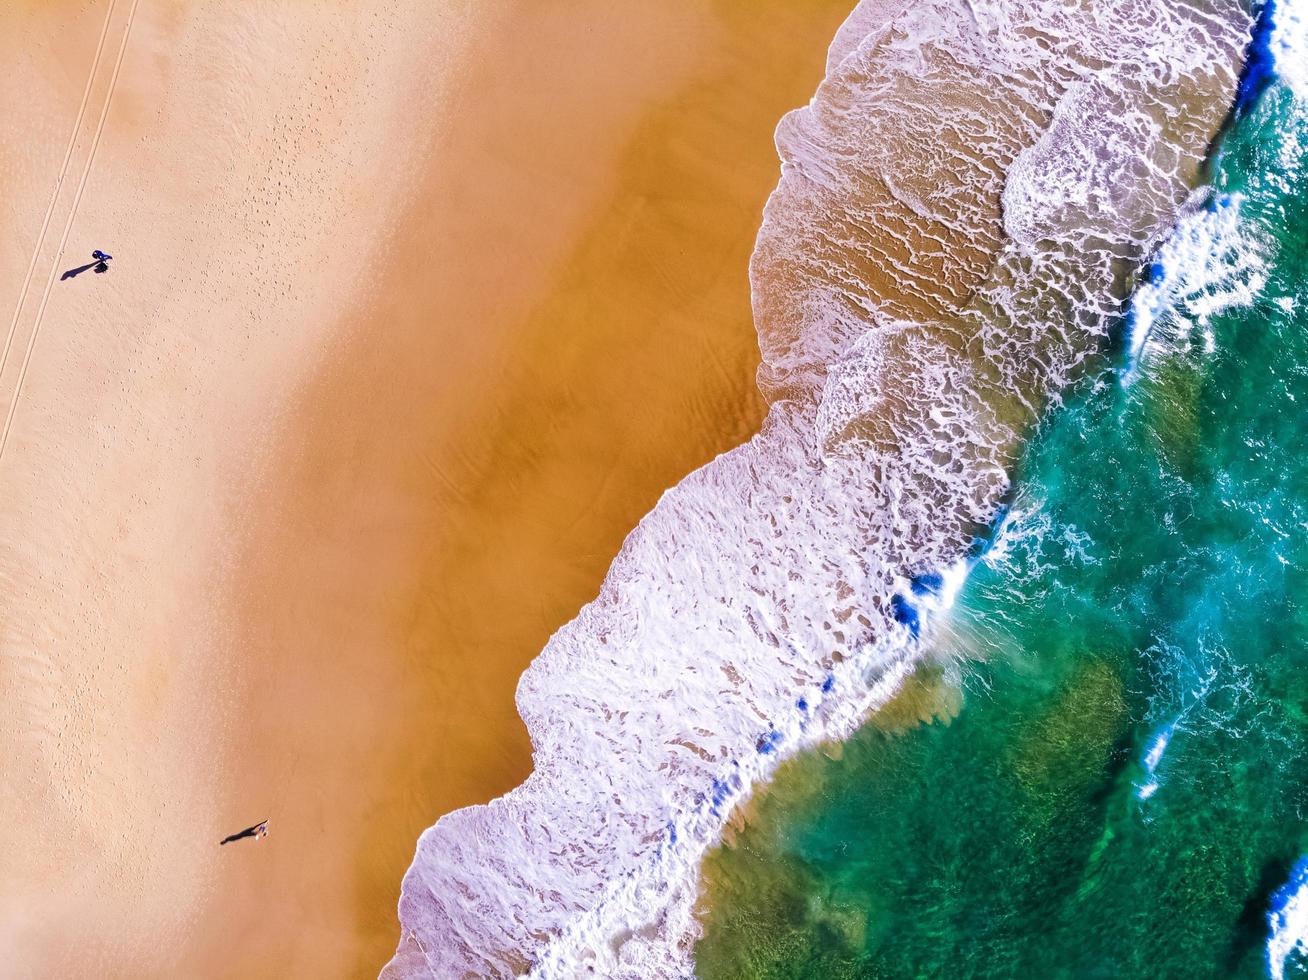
[1101,768]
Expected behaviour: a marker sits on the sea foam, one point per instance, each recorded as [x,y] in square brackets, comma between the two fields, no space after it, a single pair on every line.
[1287,921]
[961,209]
[1210,263]
[1288,43]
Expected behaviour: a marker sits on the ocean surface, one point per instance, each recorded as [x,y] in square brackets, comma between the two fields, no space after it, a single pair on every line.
[1099,767]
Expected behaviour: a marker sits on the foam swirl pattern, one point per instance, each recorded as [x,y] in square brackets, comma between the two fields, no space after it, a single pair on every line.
[961,212]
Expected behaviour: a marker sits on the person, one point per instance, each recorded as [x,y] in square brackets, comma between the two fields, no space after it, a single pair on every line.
[258,832]
[101,256]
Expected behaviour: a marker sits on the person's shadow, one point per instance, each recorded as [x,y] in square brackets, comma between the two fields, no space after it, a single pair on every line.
[97,265]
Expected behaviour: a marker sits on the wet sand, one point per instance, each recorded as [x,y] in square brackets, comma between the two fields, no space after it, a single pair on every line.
[413,315]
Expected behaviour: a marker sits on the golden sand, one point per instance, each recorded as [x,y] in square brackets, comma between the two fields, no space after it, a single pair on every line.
[416,309]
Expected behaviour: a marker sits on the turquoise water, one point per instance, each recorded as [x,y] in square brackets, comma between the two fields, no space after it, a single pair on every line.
[1114,780]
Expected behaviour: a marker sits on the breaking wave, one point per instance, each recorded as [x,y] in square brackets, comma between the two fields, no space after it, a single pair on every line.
[961,210]
[1208,265]
[1287,921]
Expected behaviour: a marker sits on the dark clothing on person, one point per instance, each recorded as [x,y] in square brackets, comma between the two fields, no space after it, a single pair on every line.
[102,256]
[247,832]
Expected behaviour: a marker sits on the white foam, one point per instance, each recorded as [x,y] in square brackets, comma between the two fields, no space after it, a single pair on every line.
[1153,755]
[1209,264]
[1289,44]
[954,577]
[855,687]
[1288,922]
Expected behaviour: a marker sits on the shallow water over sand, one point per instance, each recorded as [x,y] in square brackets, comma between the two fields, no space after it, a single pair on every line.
[1100,771]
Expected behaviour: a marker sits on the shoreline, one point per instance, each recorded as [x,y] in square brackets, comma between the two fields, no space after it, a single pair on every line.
[492,510]
[636,757]
[286,519]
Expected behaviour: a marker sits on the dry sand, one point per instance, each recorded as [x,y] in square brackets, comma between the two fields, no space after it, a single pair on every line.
[416,309]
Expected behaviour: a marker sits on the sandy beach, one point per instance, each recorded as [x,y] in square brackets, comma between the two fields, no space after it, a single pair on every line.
[415,310]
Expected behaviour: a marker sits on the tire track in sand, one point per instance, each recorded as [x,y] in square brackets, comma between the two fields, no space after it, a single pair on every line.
[59,184]
[72,213]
